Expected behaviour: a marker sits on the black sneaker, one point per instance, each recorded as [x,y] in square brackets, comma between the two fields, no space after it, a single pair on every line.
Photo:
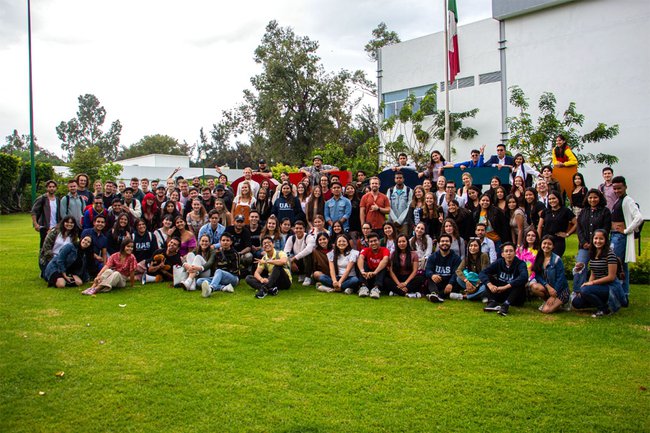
[432,297]
[491,306]
[503,311]
[273,291]
[260,294]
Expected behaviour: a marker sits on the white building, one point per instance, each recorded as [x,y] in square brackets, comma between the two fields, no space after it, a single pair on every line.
[591,52]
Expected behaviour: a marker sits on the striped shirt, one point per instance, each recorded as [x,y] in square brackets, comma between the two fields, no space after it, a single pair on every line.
[599,267]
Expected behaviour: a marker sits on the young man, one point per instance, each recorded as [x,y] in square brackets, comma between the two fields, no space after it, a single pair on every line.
[226,273]
[263,169]
[402,163]
[475,161]
[487,245]
[72,203]
[137,192]
[506,281]
[131,204]
[109,193]
[542,192]
[94,211]
[154,184]
[196,182]
[607,188]
[161,196]
[338,208]
[213,229]
[187,207]
[241,240]
[399,197]
[374,206]
[157,272]
[450,194]
[248,176]
[207,199]
[317,170]
[626,218]
[221,192]
[256,229]
[273,272]
[500,160]
[372,262]
[361,181]
[144,185]
[100,243]
[298,248]
[440,270]
[184,186]
[45,211]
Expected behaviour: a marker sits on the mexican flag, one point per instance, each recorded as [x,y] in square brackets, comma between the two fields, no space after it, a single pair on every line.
[452,35]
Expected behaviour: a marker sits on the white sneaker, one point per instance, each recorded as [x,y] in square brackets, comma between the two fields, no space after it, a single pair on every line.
[206,290]
[374,293]
[391,293]
[187,284]
[193,285]
[415,295]
[363,292]
[228,289]
[484,300]
[307,282]
[456,296]
[325,289]
[301,278]
[349,291]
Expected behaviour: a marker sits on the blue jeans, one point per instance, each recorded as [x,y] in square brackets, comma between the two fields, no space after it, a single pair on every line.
[220,279]
[480,292]
[349,281]
[580,277]
[619,245]
[593,296]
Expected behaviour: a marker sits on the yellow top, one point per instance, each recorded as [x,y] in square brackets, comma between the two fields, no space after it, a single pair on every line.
[570,162]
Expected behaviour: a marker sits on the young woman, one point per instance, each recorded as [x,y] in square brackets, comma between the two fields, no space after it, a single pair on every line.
[562,155]
[121,230]
[595,216]
[301,194]
[225,217]
[533,208]
[325,187]
[496,225]
[558,221]
[285,230]
[337,229]
[402,278]
[169,208]
[435,166]
[355,218]
[150,211]
[579,194]
[315,205]
[98,188]
[551,284]
[464,219]
[118,268]
[457,243]
[390,236]
[473,195]
[467,180]
[244,202]
[287,206]
[342,275]
[421,244]
[165,231]
[70,267]
[319,255]
[263,204]
[362,241]
[603,291]
[495,182]
[431,215]
[198,263]
[416,208]
[66,232]
[528,252]
[469,269]
[175,197]
[197,218]
[517,219]
[500,198]
[518,188]
[441,185]
[185,235]
[427,185]
[144,245]
[272,229]
[523,170]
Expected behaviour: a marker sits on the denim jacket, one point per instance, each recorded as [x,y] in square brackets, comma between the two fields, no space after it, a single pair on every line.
[554,274]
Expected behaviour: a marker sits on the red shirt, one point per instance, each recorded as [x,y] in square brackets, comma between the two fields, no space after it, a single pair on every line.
[374,217]
[123,267]
[373,259]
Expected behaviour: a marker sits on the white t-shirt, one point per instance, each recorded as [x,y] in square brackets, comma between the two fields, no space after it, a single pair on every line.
[59,242]
[53,210]
[343,260]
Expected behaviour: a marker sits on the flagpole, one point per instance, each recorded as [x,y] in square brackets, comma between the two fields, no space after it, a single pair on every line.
[446,36]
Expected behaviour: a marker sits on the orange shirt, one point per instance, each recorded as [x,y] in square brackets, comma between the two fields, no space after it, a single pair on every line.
[374,217]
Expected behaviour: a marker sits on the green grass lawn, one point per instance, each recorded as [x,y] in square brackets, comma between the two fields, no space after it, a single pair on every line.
[171,361]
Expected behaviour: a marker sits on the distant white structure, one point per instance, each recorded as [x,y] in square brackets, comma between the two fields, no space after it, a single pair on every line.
[159,166]
[593,53]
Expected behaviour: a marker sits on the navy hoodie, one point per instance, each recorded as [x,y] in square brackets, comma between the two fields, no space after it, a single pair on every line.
[445,266]
[516,274]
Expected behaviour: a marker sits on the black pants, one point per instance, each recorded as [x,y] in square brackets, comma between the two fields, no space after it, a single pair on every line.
[278,278]
[515,295]
[43,232]
[415,285]
[439,288]
[305,265]
[376,281]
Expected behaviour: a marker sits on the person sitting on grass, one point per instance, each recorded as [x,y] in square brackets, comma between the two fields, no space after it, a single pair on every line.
[299,247]
[70,267]
[118,268]
[604,290]
[162,263]
[440,270]
[273,272]
[468,270]
[403,278]
[342,273]
[506,281]
[100,244]
[227,270]
[65,232]
[372,263]
[198,263]
[551,284]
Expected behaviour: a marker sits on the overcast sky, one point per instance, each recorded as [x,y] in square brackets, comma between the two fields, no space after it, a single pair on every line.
[170,67]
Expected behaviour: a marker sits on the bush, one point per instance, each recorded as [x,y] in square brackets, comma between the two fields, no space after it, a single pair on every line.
[639,271]
[278,168]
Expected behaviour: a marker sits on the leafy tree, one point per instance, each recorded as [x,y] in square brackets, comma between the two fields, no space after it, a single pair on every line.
[295,105]
[87,161]
[85,131]
[417,128]
[109,171]
[536,141]
[18,145]
[278,168]
[364,158]
[156,143]
[10,166]
[381,37]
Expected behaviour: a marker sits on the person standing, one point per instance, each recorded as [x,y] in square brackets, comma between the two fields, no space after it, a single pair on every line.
[338,208]
[607,188]
[374,206]
[45,215]
[400,197]
[72,204]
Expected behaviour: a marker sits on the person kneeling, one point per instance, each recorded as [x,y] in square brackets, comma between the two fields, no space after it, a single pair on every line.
[272,273]
[551,285]
[506,281]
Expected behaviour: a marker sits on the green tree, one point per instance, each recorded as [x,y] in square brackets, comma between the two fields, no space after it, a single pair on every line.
[157,143]
[536,140]
[381,37]
[417,128]
[295,105]
[10,166]
[87,161]
[18,145]
[85,130]
[109,171]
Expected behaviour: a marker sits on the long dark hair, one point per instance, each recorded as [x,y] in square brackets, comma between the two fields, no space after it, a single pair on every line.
[321,235]
[473,261]
[602,201]
[538,264]
[593,251]
[74,233]
[582,180]
[335,248]
[395,263]
[559,151]
[290,198]
[536,243]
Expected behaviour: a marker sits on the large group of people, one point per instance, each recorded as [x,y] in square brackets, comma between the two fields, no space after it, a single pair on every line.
[499,244]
